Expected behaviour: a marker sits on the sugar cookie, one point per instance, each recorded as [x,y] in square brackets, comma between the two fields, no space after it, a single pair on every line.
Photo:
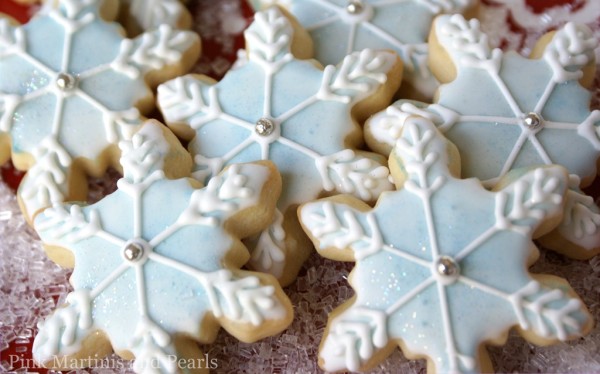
[441,264]
[340,27]
[299,116]
[504,111]
[157,262]
[72,86]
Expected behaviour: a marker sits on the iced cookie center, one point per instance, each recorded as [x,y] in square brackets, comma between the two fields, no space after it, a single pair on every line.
[66,82]
[533,121]
[267,130]
[446,270]
[357,11]
[135,251]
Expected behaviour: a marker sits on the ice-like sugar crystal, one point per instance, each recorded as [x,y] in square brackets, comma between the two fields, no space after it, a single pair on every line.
[27,277]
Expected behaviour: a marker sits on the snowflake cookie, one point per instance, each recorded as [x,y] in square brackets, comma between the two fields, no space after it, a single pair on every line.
[339,27]
[157,262]
[293,113]
[71,88]
[441,264]
[504,111]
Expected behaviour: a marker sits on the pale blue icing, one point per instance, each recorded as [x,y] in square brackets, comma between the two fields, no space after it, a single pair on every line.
[492,91]
[150,259]
[396,247]
[401,26]
[95,44]
[485,147]
[315,127]
[69,90]
[292,112]
[321,127]
[198,246]
[407,22]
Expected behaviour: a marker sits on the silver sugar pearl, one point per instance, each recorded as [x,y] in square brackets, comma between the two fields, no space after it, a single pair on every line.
[133,251]
[532,120]
[264,127]
[355,7]
[447,267]
[66,82]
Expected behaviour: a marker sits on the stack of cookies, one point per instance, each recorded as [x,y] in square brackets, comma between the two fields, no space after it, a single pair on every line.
[388,133]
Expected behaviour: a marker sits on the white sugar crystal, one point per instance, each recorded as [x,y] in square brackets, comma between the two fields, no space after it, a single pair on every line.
[28,278]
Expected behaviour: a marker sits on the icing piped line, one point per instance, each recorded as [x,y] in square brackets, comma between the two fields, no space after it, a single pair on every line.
[464,38]
[517,210]
[62,330]
[365,23]
[269,133]
[269,252]
[238,296]
[152,14]
[571,48]
[65,82]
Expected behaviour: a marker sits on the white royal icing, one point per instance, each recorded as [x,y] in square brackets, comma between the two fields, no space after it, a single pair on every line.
[150,14]
[307,113]
[340,27]
[484,111]
[581,220]
[133,266]
[441,263]
[58,73]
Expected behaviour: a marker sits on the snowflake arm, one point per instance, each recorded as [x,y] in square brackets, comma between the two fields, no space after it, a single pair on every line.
[548,311]
[354,173]
[192,248]
[269,253]
[152,51]
[571,48]
[431,250]
[45,183]
[144,154]
[422,155]
[181,101]
[535,196]
[580,225]
[466,44]
[279,123]
[383,129]
[582,218]
[64,225]
[238,188]
[64,330]
[358,76]
[271,37]
[151,356]
[354,337]
[55,86]
[336,227]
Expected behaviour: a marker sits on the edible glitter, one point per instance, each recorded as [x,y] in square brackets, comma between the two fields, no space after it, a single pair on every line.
[21,257]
